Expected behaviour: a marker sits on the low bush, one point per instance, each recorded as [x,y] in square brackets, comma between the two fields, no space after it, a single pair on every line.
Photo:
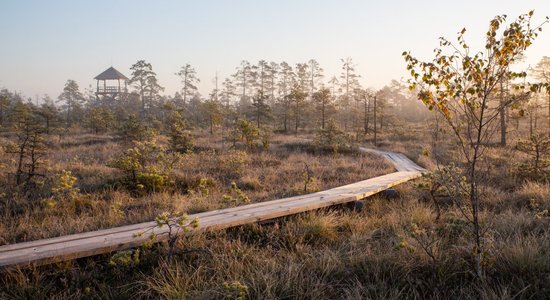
[147,166]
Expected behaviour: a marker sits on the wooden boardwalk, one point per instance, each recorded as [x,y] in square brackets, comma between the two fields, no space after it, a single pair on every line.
[124,237]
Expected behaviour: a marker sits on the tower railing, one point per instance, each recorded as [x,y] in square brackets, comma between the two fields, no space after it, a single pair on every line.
[111,89]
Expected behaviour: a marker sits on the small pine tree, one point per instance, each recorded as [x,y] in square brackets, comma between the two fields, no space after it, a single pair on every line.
[538,149]
[181,139]
[147,166]
[100,119]
[49,115]
[262,111]
[331,138]
[29,149]
[236,196]
[247,132]
[134,130]
[64,186]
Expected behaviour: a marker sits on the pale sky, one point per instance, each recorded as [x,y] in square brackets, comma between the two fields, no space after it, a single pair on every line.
[44,43]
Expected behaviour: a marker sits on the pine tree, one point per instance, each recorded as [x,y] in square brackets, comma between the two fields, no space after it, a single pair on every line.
[323,104]
[72,97]
[315,74]
[49,114]
[189,80]
[284,85]
[146,83]
[261,109]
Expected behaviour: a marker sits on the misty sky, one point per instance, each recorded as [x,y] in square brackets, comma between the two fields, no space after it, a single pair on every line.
[44,43]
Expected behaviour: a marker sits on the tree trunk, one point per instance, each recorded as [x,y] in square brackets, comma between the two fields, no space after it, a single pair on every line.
[536,120]
[374,123]
[142,96]
[474,200]
[285,120]
[323,115]
[355,115]
[47,125]
[272,88]
[502,113]
[502,126]
[211,125]
[185,87]
[33,160]
[22,152]
[537,157]
[244,83]
[347,97]
[366,116]
[19,171]
[474,197]
[435,138]
[531,123]
[68,113]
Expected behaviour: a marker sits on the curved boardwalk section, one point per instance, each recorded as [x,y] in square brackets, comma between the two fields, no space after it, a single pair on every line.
[124,237]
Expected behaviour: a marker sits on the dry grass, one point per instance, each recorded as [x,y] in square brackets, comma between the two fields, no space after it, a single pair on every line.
[335,253]
[260,175]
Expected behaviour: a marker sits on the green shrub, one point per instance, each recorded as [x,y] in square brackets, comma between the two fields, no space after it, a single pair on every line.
[147,166]
[538,165]
[236,196]
[134,130]
[181,139]
[235,290]
[177,224]
[331,138]
[251,136]
[64,186]
[233,165]
[100,119]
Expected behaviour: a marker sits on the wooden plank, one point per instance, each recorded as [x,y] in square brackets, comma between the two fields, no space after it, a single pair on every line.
[299,199]
[355,188]
[121,240]
[124,237]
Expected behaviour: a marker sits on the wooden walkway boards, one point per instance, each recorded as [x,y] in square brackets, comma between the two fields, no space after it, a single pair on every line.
[102,241]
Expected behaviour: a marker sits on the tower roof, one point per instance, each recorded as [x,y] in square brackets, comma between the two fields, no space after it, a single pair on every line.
[111,74]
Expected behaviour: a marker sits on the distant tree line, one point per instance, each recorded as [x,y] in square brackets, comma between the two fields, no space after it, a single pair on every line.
[279,96]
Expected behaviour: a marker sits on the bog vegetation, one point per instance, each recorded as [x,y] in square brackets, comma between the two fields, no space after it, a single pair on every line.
[477,226]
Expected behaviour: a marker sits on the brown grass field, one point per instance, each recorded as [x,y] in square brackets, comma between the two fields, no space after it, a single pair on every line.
[391,249]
